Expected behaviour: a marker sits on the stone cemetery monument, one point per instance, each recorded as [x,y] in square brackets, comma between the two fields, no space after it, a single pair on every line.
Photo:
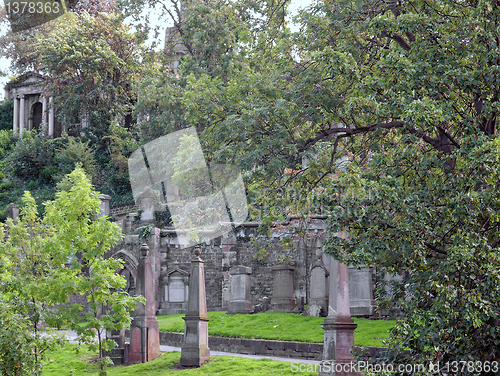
[282,299]
[12,212]
[176,291]
[240,290]
[361,291]
[338,326]
[195,349]
[144,332]
[319,287]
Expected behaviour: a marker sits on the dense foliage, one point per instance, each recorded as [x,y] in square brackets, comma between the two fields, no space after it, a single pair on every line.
[46,261]
[407,92]
[6,114]
[381,113]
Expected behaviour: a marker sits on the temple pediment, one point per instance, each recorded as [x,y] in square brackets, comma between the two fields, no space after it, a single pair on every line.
[26,79]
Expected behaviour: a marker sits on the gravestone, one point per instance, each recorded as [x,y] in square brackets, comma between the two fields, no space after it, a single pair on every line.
[228,245]
[318,287]
[240,290]
[175,291]
[361,291]
[195,351]
[282,299]
[146,203]
[105,199]
[130,219]
[12,212]
[144,332]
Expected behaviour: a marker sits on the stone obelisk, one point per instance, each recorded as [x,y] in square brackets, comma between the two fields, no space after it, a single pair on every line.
[144,332]
[195,349]
[338,326]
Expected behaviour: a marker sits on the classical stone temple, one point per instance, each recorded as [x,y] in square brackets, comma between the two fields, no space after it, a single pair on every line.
[32,107]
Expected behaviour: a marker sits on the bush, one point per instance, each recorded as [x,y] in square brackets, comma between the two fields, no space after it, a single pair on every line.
[6,115]
[31,154]
[6,142]
[7,186]
[121,183]
[48,174]
[73,153]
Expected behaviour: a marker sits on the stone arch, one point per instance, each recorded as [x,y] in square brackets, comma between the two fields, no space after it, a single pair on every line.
[129,269]
[37,115]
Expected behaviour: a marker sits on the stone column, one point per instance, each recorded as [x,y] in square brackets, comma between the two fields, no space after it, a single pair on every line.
[240,290]
[22,112]
[15,122]
[195,349]
[144,332]
[44,113]
[338,326]
[51,117]
[282,299]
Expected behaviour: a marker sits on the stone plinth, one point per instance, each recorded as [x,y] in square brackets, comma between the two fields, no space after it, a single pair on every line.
[282,299]
[195,351]
[144,332]
[361,291]
[338,326]
[240,290]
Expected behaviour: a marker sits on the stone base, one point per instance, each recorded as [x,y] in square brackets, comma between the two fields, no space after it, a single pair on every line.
[172,308]
[240,306]
[339,340]
[195,351]
[282,305]
[144,340]
[194,356]
[362,308]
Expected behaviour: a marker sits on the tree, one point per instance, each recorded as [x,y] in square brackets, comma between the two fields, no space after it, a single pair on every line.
[91,64]
[46,261]
[21,47]
[407,92]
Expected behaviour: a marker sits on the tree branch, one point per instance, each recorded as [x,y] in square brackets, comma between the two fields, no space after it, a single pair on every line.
[349,132]
[436,249]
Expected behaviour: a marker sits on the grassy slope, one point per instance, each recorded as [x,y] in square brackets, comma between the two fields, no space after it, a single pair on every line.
[64,362]
[279,326]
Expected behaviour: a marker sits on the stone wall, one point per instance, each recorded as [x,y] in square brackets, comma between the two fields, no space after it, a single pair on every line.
[285,349]
[247,248]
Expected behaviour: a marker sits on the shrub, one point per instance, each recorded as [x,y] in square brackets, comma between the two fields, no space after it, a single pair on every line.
[30,155]
[48,174]
[75,152]
[6,114]
[7,186]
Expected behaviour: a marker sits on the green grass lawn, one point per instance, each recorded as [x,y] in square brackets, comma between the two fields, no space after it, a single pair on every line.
[64,362]
[279,326]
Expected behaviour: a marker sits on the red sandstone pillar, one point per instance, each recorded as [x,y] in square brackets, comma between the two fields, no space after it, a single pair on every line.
[338,326]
